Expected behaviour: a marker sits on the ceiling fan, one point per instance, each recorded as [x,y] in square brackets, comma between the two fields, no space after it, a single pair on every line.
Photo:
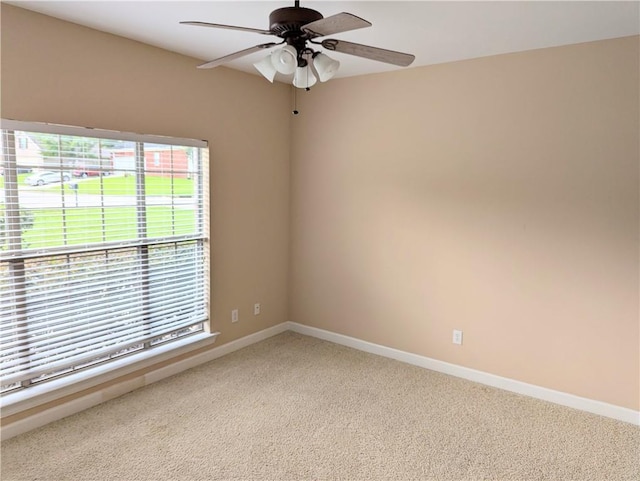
[297,27]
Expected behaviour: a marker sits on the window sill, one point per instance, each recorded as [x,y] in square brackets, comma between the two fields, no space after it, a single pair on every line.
[34,396]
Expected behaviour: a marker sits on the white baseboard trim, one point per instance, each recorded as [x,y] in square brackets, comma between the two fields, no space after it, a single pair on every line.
[519,387]
[93,399]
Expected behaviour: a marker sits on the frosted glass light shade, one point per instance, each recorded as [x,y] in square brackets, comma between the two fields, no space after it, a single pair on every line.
[304,78]
[285,60]
[325,66]
[266,68]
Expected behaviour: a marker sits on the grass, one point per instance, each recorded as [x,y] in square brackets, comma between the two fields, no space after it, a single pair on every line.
[87,225]
[121,185]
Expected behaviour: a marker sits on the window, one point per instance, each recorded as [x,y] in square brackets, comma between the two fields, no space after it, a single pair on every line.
[23,142]
[102,252]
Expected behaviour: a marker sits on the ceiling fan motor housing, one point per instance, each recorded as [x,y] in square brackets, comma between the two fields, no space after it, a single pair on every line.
[288,21]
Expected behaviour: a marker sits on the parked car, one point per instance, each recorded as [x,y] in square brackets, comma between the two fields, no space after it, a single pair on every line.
[47,177]
[88,172]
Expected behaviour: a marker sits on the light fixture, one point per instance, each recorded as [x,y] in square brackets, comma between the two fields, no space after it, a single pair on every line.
[285,60]
[266,68]
[307,66]
[304,78]
[325,66]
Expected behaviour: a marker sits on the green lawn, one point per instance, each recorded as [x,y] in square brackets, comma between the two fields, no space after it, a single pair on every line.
[85,225]
[120,185]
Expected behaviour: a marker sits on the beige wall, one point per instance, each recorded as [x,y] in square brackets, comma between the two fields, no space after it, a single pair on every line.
[54,71]
[498,196]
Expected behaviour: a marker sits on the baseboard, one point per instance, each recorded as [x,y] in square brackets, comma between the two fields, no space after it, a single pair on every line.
[93,399]
[538,392]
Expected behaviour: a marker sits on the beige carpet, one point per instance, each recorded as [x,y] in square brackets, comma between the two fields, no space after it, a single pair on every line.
[293,407]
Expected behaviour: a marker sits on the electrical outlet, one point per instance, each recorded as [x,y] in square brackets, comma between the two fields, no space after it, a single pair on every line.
[256,309]
[457,336]
[234,315]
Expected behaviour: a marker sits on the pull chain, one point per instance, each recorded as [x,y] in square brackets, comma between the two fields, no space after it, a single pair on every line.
[295,102]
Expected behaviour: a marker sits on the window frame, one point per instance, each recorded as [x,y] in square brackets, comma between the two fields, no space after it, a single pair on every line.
[94,375]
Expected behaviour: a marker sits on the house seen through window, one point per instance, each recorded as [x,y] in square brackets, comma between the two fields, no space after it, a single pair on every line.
[102,247]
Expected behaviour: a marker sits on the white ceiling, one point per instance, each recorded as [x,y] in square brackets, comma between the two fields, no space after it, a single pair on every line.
[435,32]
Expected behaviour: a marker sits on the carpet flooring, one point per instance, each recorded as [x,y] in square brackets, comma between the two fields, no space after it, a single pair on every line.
[297,408]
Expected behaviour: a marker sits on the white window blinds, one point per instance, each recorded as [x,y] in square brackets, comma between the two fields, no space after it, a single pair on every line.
[102,247]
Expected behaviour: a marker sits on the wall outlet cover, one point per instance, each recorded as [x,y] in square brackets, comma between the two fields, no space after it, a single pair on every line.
[457,337]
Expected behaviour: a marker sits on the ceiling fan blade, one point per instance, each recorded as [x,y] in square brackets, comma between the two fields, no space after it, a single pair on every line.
[340,22]
[228,27]
[232,56]
[373,53]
